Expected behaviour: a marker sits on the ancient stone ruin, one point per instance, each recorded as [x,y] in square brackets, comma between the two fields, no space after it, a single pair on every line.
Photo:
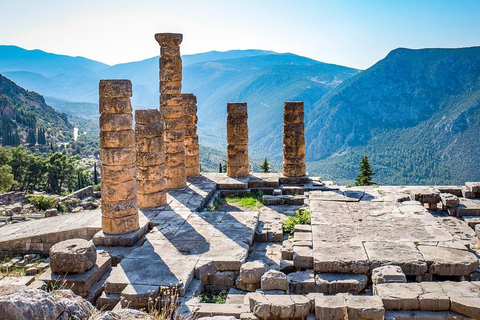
[150,158]
[376,252]
[117,153]
[237,139]
[171,108]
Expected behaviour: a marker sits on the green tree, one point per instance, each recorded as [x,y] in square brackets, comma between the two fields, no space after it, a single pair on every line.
[31,140]
[95,173]
[6,178]
[220,168]
[265,166]
[364,178]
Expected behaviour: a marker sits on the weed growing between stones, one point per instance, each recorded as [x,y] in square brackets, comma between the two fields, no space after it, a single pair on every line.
[209,296]
[165,305]
[41,201]
[252,200]
[216,203]
[301,217]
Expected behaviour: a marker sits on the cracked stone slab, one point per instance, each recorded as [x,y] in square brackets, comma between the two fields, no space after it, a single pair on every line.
[332,257]
[448,261]
[403,254]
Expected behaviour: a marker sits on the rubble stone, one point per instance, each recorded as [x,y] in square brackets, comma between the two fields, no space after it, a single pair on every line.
[72,256]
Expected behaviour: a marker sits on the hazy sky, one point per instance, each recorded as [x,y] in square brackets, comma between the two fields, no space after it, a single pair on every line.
[354,33]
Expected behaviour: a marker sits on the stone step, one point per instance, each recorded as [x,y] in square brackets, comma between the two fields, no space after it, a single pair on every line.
[215,309]
[423,315]
[349,307]
[333,283]
[107,301]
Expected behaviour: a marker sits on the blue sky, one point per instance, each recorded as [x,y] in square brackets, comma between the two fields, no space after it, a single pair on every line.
[347,32]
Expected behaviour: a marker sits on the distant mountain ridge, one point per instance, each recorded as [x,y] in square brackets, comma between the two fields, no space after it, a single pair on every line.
[23,112]
[416,112]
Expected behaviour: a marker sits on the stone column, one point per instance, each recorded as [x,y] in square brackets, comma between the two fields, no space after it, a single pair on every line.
[150,158]
[293,139]
[192,152]
[171,109]
[117,153]
[237,139]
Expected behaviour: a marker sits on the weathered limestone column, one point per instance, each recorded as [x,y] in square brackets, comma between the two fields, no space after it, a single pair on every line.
[237,139]
[293,139]
[171,109]
[150,158]
[192,152]
[117,153]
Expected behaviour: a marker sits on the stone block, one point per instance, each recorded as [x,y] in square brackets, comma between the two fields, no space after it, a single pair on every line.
[449,200]
[469,307]
[287,250]
[113,175]
[139,296]
[149,131]
[72,256]
[302,282]
[282,306]
[388,274]
[120,225]
[302,257]
[147,116]
[333,283]
[473,186]
[151,186]
[252,272]
[115,105]
[449,261]
[116,122]
[330,307]
[146,159]
[294,107]
[250,287]
[117,156]
[152,145]
[119,209]
[152,200]
[302,306]
[115,88]
[364,307]
[117,139]
[123,191]
[340,257]
[169,39]
[274,280]
[401,253]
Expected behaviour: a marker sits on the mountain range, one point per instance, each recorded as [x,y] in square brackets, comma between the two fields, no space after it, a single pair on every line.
[415,112]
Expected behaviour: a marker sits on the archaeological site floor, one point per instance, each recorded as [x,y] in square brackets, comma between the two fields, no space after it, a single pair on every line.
[325,270]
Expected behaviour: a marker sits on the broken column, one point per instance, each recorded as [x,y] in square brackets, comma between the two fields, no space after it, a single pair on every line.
[117,153]
[192,153]
[293,139]
[171,109]
[237,139]
[150,158]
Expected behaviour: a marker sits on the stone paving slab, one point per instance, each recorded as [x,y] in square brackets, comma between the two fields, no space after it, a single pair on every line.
[448,261]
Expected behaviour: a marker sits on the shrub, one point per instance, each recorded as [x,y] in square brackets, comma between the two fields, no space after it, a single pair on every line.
[97,187]
[213,297]
[42,202]
[301,217]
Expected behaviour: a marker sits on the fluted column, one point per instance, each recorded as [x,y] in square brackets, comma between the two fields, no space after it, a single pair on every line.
[293,139]
[150,158]
[192,152]
[171,109]
[237,139]
[117,153]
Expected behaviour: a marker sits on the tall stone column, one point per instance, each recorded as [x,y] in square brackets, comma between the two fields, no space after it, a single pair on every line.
[237,139]
[192,152]
[293,139]
[117,153]
[171,109]
[150,158]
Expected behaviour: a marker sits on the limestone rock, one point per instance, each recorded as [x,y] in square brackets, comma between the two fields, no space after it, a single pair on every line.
[388,274]
[29,304]
[333,283]
[72,256]
[274,280]
[252,272]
